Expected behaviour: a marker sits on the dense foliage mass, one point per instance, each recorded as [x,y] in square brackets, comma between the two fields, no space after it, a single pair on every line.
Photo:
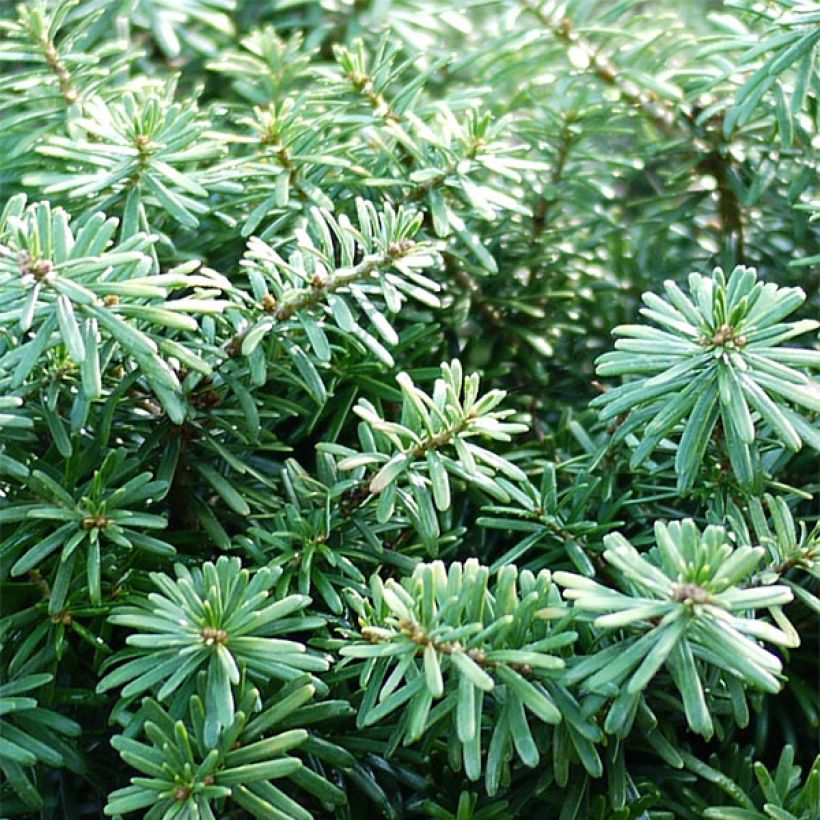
[407,409]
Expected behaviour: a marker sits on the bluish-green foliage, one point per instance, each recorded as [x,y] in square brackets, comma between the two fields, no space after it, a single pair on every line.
[409,408]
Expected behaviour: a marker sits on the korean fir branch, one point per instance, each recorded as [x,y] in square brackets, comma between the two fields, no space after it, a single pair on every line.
[34,33]
[591,58]
[792,546]
[141,153]
[217,617]
[319,550]
[78,294]
[393,94]
[554,523]
[184,771]
[264,67]
[291,158]
[717,363]
[469,657]
[322,286]
[326,538]
[98,519]
[371,76]
[48,70]
[686,605]
[417,450]
[774,75]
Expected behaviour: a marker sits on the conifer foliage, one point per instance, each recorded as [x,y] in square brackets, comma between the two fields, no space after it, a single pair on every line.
[409,408]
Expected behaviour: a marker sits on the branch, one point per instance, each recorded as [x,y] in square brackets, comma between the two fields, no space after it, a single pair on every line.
[672,122]
[322,285]
[57,66]
[544,206]
[468,283]
[418,636]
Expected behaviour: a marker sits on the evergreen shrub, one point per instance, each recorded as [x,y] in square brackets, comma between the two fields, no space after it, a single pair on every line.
[408,408]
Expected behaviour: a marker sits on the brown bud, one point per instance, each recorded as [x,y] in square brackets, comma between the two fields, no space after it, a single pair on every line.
[607,72]
[94,522]
[690,593]
[212,635]
[401,248]
[182,792]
